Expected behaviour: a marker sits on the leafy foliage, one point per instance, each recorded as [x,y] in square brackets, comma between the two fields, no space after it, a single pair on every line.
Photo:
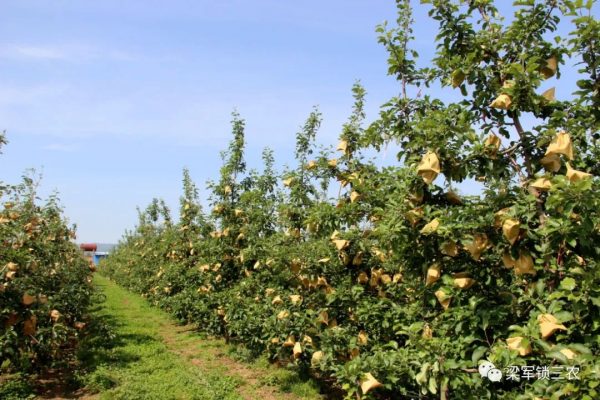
[45,283]
[399,286]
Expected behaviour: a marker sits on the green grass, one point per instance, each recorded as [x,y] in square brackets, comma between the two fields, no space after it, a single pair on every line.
[137,351]
[130,360]
[288,380]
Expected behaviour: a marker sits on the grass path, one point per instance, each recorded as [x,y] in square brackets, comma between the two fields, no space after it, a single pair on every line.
[150,357]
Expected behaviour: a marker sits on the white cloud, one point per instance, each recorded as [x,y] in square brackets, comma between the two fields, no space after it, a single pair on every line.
[63,52]
[38,52]
[62,147]
[24,95]
[70,112]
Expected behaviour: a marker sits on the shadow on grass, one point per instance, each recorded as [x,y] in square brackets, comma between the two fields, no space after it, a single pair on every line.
[101,348]
[103,344]
[287,378]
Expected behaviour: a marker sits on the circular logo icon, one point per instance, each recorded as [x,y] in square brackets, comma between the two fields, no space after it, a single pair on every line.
[485,367]
[494,375]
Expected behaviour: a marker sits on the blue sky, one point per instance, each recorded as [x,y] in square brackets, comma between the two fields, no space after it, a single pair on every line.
[111,99]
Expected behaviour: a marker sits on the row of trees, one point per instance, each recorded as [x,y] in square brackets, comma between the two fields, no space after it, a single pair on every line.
[45,283]
[399,285]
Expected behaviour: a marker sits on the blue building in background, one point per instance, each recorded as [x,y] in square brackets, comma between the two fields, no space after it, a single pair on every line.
[102,251]
[99,255]
[96,251]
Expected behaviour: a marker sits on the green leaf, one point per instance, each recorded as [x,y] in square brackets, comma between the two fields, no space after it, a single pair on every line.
[432,385]
[478,353]
[421,377]
[568,284]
